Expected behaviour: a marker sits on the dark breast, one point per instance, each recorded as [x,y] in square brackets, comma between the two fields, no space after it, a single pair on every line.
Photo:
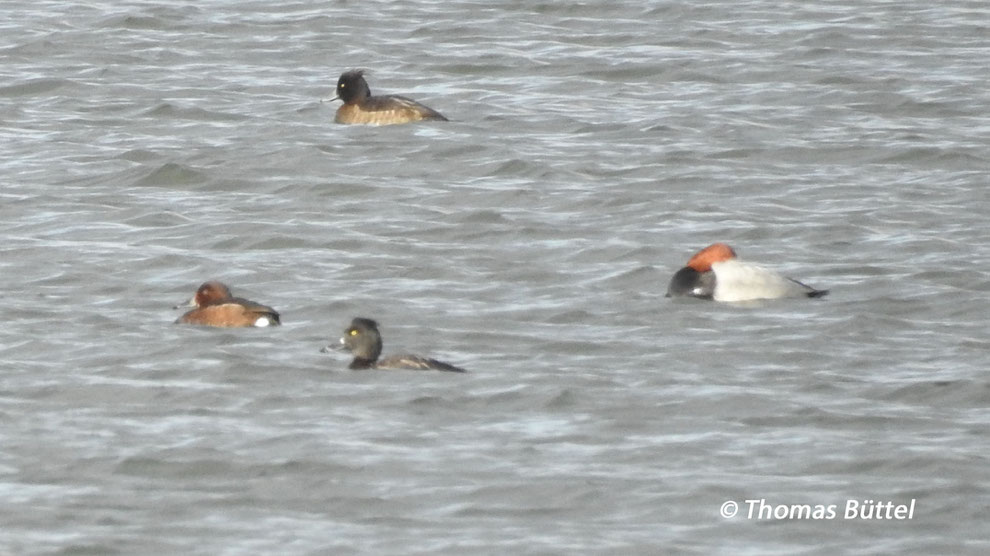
[689,282]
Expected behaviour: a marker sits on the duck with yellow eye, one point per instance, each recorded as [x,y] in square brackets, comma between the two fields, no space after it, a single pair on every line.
[363,340]
[361,107]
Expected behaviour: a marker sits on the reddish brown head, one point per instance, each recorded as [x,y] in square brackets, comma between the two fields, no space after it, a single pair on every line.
[211,293]
[714,253]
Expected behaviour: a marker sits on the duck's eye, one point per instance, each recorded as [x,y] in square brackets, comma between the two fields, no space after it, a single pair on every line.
[352,332]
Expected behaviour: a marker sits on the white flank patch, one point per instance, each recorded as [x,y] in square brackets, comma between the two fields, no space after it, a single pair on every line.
[262,321]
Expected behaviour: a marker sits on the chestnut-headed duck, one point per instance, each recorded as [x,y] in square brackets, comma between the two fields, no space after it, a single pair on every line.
[716,273]
[216,307]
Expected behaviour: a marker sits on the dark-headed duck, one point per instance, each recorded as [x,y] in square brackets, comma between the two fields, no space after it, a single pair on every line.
[364,342]
[360,107]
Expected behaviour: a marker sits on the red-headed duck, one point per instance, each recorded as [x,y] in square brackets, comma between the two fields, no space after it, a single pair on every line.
[216,307]
[364,342]
[360,107]
[716,273]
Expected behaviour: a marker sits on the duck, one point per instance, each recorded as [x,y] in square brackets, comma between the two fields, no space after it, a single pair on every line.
[716,273]
[363,340]
[361,107]
[215,306]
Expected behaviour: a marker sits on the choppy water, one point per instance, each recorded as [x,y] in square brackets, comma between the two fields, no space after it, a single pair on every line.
[150,146]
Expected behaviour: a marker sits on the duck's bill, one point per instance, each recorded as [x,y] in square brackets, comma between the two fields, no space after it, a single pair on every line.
[334,347]
[190,303]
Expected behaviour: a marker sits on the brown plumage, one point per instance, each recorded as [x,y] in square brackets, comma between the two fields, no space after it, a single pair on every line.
[216,307]
[360,107]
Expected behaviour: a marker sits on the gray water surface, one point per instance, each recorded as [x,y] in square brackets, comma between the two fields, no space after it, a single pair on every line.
[593,148]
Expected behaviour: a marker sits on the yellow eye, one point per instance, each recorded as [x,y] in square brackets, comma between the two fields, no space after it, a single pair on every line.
[353,332]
